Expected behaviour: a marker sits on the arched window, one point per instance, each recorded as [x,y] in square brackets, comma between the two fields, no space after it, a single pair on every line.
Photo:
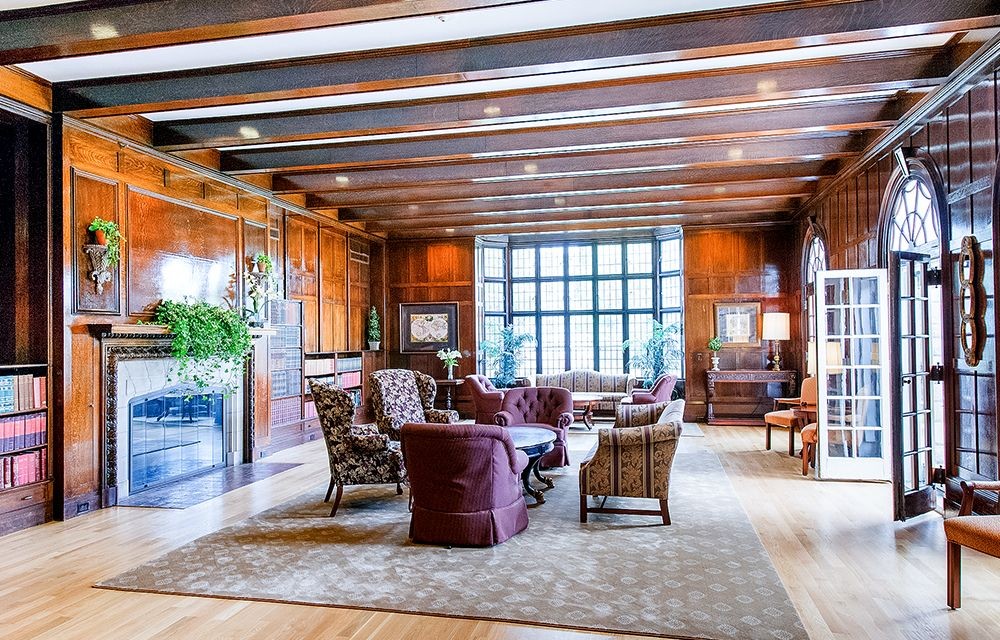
[914,219]
[815,258]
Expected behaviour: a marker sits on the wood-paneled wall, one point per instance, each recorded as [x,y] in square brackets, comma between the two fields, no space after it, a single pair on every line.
[962,144]
[434,271]
[737,265]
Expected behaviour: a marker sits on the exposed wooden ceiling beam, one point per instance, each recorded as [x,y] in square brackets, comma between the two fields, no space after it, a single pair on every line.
[742,153]
[890,72]
[83,28]
[845,116]
[744,218]
[536,203]
[325,191]
[599,212]
[749,30]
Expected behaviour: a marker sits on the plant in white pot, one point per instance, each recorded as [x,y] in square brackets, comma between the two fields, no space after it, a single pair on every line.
[374,330]
[715,345]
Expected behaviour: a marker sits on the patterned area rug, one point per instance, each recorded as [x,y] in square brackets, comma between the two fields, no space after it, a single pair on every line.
[705,576]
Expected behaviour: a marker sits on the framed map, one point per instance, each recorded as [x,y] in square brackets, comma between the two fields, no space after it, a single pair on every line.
[427,327]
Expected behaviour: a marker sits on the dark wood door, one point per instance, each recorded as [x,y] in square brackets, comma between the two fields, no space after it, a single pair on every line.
[912,412]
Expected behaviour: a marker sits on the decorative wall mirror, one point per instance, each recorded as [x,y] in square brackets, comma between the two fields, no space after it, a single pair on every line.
[972,300]
[738,323]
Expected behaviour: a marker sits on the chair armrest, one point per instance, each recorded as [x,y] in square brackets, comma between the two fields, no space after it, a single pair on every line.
[390,426]
[968,493]
[492,395]
[565,420]
[643,397]
[504,418]
[369,442]
[520,462]
[364,429]
[640,436]
[441,416]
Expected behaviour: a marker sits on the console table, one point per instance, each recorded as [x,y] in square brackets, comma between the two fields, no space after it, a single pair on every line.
[753,376]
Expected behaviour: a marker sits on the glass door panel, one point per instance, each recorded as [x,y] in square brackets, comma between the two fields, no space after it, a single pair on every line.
[853,359]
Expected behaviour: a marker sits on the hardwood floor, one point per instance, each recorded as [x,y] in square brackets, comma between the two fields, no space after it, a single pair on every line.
[851,572]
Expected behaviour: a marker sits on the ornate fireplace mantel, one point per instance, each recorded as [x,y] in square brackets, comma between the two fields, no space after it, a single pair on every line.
[121,342]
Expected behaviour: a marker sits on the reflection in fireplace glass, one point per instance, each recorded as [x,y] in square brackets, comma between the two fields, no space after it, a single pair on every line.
[174,433]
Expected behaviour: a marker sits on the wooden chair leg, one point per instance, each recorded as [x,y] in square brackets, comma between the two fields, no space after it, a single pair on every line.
[954,575]
[336,501]
[583,508]
[664,512]
[806,454]
[329,490]
[399,489]
[767,436]
[791,440]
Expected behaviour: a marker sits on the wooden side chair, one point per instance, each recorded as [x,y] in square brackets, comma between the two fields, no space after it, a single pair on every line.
[981,533]
[793,418]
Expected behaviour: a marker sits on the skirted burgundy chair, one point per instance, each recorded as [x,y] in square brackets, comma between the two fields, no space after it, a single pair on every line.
[358,453]
[485,396]
[547,407]
[465,484]
[659,392]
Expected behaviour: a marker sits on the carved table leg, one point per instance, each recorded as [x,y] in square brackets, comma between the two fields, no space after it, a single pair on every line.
[709,397]
[547,480]
[588,416]
[525,475]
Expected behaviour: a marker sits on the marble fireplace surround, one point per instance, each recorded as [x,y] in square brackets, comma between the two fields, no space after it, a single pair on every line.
[135,360]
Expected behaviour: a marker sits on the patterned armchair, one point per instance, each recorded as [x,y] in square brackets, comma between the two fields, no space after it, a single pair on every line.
[614,387]
[358,453]
[659,392]
[546,407]
[633,462]
[400,396]
[485,396]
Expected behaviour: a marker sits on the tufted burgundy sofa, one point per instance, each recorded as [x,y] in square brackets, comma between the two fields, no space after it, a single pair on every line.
[547,407]
[659,392]
[465,484]
[485,396]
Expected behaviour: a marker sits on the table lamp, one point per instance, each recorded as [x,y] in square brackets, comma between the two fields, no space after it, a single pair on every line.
[776,328]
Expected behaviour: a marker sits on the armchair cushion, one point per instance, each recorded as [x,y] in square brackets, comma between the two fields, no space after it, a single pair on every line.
[400,396]
[547,407]
[981,533]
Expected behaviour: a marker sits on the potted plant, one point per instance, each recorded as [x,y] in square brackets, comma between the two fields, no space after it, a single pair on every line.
[505,354]
[210,343]
[450,358]
[264,263]
[106,234]
[659,352]
[715,345]
[374,330]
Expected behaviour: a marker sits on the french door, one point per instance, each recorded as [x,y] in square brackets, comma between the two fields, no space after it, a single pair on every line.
[912,393]
[853,366]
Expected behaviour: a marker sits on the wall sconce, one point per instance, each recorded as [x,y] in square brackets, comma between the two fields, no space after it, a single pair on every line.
[100,266]
[777,327]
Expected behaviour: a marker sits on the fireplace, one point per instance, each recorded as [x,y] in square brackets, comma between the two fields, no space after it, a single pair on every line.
[174,433]
[156,429]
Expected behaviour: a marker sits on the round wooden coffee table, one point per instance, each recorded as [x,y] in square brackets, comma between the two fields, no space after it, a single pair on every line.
[535,442]
[584,403]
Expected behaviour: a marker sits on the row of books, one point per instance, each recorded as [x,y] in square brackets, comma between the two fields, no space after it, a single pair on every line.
[21,393]
[320,366]
[349,379]
[21,432]
[349,364]
[23,469]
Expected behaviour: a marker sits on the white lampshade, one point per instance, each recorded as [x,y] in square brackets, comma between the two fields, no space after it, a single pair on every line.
[776,326]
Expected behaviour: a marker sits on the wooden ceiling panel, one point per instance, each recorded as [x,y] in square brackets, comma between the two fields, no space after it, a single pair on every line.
[759,29]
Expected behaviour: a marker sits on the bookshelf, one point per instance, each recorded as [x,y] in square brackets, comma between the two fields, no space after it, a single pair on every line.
[344,369]
[26,425]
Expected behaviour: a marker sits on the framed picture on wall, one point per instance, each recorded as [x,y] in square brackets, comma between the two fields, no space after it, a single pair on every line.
[737,323]
[426,327]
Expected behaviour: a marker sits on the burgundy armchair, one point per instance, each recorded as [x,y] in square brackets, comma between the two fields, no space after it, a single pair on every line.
[485,396]
[547,407]
[464,483]
[659,392]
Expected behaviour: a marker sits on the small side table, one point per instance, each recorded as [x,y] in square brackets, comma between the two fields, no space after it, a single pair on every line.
[449,387]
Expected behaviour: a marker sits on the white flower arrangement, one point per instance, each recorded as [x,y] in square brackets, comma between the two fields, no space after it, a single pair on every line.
[449,357]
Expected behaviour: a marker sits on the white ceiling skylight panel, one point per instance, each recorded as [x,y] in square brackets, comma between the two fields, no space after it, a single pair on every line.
[382,34]
[555,79]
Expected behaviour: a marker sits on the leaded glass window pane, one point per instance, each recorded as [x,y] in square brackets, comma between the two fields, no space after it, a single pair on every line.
[581,260]
[522,262]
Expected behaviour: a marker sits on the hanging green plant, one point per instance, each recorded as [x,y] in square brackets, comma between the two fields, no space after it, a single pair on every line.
[106,233]
[210,343]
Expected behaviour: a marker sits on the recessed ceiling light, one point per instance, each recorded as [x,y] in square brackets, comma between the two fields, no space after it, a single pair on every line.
[249,132]
[531,167]
[341,179]
[449,230]
[560,201]
[767,86]
[736,153]
[720,190]
[413,207]
[103,31]
[492,110]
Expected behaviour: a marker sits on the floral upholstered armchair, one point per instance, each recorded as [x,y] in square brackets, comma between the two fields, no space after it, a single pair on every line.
[358,453]
[634,462]
[400,396]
